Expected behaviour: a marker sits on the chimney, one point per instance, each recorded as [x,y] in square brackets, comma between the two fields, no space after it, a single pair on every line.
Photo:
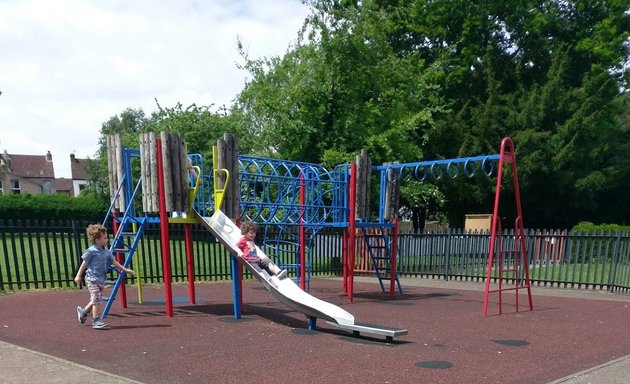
[48,157]
[72,158]
[7,159]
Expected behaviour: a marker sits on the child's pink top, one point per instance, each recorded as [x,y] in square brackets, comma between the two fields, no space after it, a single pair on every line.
[246,247]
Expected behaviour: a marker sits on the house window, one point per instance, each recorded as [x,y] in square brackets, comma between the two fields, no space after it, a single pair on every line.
[15,186]
[1,189]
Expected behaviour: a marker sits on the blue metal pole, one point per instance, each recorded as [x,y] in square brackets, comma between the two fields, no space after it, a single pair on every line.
[236,288]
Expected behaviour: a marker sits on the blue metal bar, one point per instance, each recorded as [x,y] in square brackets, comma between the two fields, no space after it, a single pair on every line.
[430,163]
[236,287]
[312,323]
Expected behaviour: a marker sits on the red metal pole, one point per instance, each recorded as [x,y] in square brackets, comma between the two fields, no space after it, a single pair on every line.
[392,263]
[344,252]
[240,273]
[166,255]
[520,228]
[120,259]
[302,234]
[190,262]
[352,228]
[495,220]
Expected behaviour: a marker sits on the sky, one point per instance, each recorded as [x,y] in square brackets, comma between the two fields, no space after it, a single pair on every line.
[68,66]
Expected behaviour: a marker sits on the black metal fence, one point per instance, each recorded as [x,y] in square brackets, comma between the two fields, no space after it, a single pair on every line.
[46,254]
[560,258]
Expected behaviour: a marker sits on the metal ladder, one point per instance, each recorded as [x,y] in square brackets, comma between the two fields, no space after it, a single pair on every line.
[512,264]
[126,241]
[379,247]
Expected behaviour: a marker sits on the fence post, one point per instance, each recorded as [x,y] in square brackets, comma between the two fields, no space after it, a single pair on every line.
[77,244]
[613,264]
[447,256]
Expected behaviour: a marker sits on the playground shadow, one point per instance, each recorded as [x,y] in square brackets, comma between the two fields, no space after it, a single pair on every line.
[402,299]
[148,326]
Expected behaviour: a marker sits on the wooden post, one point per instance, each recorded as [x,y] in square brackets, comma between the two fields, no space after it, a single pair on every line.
[119,171]
[176,179]
[114,168]
[392,194]
[143,171]
[167,171]
[231,164]
[155,201]
[111,174]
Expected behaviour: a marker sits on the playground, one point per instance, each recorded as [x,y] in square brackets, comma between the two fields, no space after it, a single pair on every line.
[376,329]
[448,340]
[298,200]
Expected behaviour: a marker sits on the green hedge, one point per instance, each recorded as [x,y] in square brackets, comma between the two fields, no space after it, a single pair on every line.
[52,207]
[588,226]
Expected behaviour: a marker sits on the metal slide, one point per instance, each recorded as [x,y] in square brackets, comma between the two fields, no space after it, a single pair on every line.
[285,290]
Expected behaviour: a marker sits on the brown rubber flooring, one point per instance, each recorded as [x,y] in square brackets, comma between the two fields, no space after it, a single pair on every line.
[448,341]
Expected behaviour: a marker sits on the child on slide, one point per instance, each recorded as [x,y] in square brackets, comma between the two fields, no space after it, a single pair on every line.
[248,251]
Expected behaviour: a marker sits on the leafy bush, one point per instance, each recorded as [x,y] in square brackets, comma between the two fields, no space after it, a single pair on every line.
[596,242]
[588,226]
[52,207]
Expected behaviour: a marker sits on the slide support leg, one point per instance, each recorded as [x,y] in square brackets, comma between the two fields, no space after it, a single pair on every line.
[311,323]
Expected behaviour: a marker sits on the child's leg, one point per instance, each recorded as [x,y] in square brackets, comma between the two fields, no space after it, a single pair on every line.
[274,269]
[96,291]
[96,310]
[266,264]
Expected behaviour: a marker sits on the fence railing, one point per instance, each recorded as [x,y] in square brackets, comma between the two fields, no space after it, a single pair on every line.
[46,254]
[561,258]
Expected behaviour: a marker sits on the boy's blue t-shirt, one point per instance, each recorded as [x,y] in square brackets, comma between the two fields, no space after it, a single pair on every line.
[99,259]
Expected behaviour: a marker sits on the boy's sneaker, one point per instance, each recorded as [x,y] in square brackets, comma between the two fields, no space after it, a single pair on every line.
[81,314]
[282,274]
[99,324]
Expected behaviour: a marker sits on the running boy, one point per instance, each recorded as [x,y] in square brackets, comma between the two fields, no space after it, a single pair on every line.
[96,262]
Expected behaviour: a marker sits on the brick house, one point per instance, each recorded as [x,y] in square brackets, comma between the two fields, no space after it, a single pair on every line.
[32,174]
[79,175]
[35,174]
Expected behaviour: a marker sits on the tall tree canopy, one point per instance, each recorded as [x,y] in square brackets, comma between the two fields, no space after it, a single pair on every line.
[419,79]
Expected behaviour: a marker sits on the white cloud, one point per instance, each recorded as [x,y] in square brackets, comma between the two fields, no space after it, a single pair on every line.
[67,66]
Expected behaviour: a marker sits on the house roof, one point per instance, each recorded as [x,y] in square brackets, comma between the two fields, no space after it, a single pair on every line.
[77,168]
[63,185]
[30,166]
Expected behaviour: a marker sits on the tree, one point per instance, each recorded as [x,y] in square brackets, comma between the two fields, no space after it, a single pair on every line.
[200,127]
[548,73]
[342,88]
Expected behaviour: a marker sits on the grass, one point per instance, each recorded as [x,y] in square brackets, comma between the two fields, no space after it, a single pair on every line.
[51,261]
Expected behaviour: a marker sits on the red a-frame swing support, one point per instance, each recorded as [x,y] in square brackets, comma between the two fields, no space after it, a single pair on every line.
[516,256]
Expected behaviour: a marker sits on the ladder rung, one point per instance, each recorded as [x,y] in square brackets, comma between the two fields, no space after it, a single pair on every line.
[117,250]
[510,250]
[508,289]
